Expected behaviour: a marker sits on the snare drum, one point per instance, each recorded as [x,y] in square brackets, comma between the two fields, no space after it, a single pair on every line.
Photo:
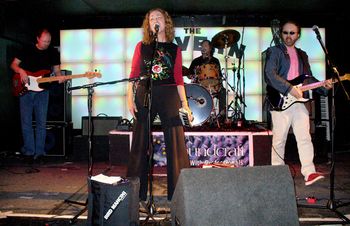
[208,76]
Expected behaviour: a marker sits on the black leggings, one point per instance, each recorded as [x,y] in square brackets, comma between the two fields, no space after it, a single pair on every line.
[165,103]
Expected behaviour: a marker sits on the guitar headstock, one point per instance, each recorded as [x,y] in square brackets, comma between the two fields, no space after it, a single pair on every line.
[93,74]
[345,77]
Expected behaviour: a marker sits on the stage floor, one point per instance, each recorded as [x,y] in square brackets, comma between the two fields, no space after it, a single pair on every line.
[39,192]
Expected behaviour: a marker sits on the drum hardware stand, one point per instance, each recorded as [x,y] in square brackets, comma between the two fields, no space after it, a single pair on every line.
[223,40]
[214,116]
[332,205]
[228,84]
[240,118]
[232,88]
[227,121]
[238,115]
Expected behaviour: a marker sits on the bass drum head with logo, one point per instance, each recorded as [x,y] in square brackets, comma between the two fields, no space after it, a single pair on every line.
[200,103]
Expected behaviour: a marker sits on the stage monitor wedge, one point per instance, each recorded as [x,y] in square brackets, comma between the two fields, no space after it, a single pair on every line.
[261,195]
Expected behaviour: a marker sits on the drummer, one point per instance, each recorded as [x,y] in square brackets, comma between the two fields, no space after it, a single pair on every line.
[202,62]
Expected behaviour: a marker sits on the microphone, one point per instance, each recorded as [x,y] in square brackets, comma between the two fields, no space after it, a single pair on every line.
[156,27]
[199,100]
[315,29]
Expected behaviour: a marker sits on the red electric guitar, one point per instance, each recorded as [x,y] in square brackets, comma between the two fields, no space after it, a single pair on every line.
[36,80]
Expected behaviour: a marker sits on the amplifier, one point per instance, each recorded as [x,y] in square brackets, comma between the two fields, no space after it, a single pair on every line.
[58,138]
[101,125]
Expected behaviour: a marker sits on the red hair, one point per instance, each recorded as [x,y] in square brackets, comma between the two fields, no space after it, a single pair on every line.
[169,27]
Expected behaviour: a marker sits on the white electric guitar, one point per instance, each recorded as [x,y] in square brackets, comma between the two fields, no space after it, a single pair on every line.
[281,102]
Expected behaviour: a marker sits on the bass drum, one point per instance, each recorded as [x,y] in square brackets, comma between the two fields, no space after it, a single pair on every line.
[200,103]
[208,77]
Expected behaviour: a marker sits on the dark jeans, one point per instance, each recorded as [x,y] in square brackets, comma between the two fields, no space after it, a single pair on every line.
[37,103]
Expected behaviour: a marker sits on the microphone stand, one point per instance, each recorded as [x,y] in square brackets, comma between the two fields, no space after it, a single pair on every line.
[227,120]
[90,88]
[332,204]
[150,207]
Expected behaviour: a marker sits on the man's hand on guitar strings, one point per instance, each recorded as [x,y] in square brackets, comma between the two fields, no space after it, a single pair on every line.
[328,84]
[296,92]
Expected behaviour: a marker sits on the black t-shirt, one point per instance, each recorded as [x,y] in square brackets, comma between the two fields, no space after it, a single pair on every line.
[32,59]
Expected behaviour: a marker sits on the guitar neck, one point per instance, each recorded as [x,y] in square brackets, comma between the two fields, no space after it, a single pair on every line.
[319,84]
[54,78]
[313,85]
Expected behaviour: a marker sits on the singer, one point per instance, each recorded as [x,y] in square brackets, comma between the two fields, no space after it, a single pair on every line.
[157,58]
[285,62]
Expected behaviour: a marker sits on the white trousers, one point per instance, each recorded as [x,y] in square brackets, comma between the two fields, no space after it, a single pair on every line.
[296,116]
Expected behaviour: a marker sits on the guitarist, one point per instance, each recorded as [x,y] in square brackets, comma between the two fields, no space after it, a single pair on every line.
[285,62]
[30,60]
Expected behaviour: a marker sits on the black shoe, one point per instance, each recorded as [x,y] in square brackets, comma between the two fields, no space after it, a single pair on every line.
[40,159]
[28,159]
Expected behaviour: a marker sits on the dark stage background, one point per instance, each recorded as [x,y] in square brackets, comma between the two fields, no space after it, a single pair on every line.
[20,19]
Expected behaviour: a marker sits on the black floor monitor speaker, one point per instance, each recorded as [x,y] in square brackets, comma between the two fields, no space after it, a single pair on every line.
[260,195]
[113,204]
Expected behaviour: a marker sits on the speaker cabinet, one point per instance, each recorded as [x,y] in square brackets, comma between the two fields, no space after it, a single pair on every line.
[101,125]
[60,101]
[262,149]
[58,138]
[235,196]
[119,149]
[113,204]
[99,146]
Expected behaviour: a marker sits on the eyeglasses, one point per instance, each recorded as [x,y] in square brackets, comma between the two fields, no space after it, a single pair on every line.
[286,32]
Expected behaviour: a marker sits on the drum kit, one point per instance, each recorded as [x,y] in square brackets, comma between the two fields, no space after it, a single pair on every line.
[200,93]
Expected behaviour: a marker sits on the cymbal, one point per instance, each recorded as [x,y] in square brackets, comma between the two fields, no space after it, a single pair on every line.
[185,71]
[232,36]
